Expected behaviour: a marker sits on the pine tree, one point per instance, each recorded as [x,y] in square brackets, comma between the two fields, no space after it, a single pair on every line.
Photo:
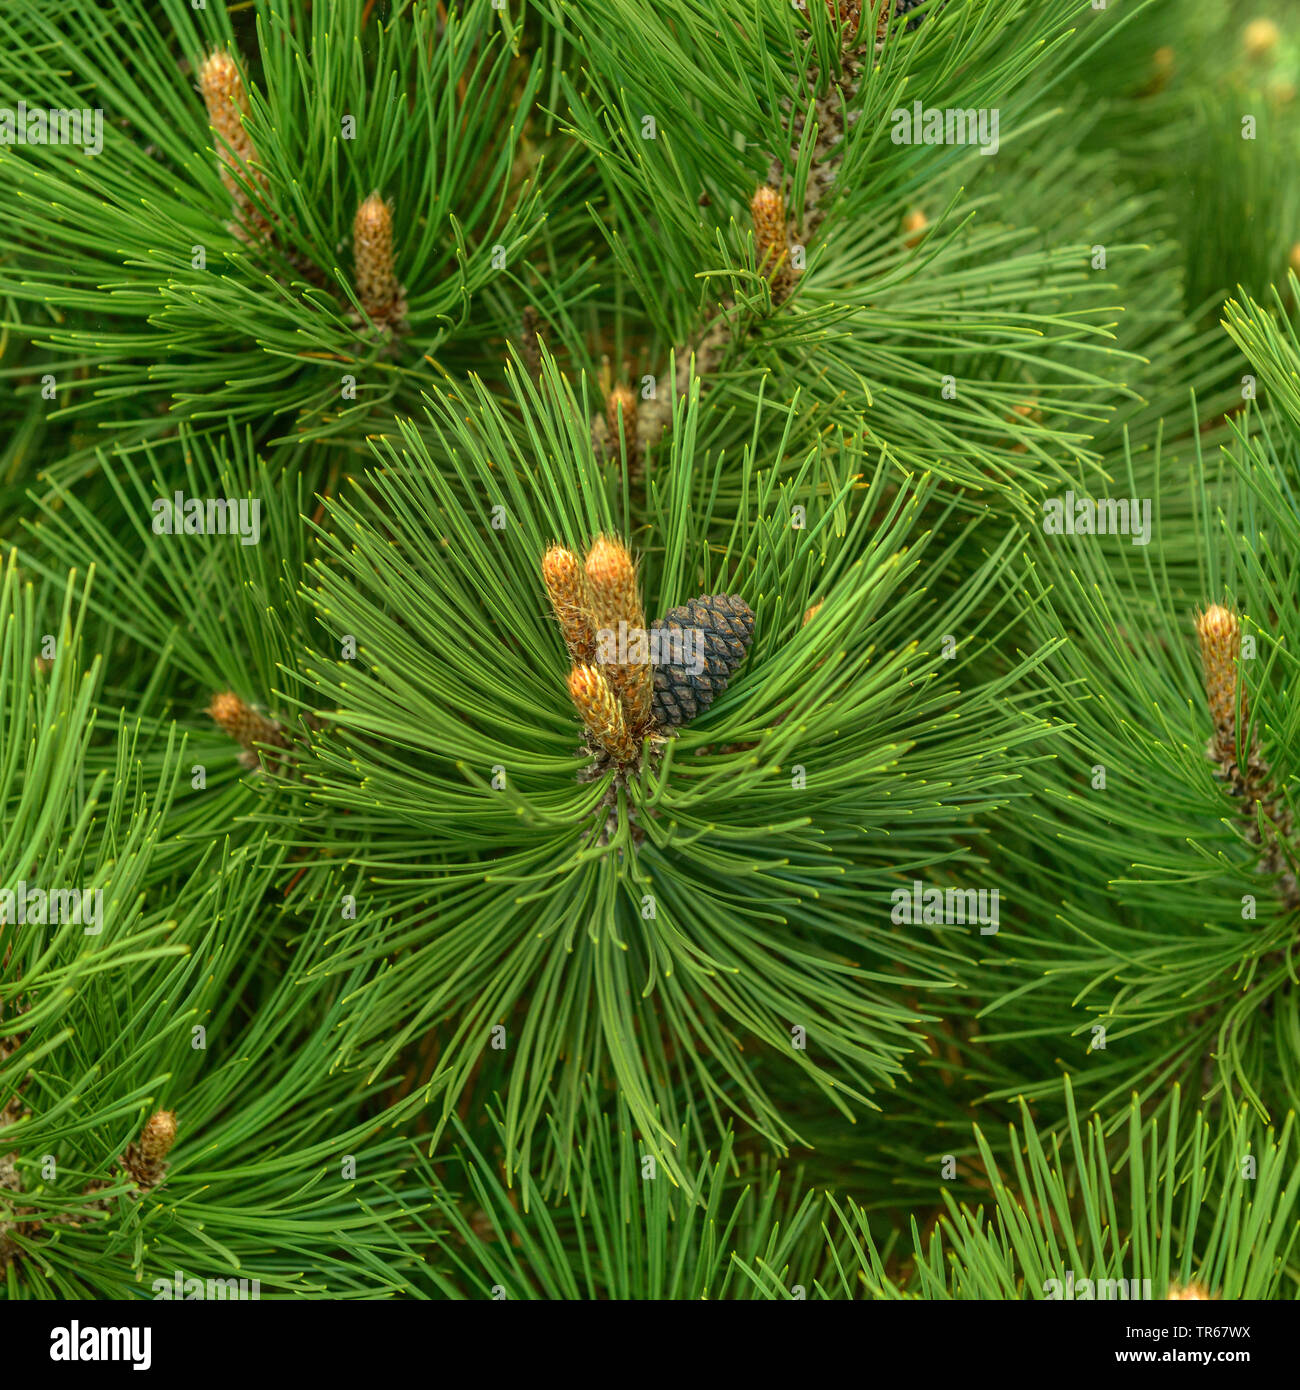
[622,676]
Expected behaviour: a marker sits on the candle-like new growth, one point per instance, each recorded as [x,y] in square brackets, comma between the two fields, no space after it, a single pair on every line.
[615,599]
[1248,776]
[620,420]
[772,241]
[243,723]
[566,586]
[1218,630]
[381,296]
[145,1160]
[602,712]
[226,100]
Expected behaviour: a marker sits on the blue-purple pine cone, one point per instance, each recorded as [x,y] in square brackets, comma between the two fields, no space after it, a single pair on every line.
[725,627]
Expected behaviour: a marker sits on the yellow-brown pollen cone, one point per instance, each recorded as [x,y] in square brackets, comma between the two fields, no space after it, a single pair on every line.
[602,712]
[1218,631]
[226,101]
[615,600]
[566,586]
[622,398]
[243,723]
[771,240]
[372,253]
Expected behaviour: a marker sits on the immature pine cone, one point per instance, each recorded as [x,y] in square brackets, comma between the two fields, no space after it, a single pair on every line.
[1249,778]
[145,1161]
[566,586]
[1218,631]
[771,241]
[615,599]
[243,723]
[602,713]
[227,103]
[622,395]
[720,629]
[253,732]
[383,299]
